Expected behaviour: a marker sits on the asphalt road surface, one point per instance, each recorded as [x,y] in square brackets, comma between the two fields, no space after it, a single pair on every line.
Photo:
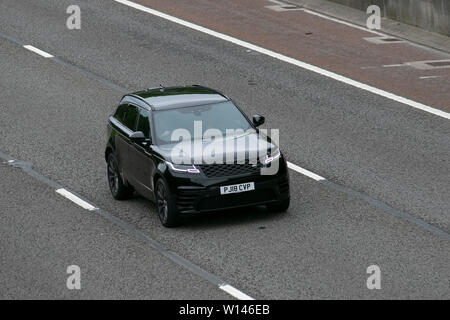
[385,200]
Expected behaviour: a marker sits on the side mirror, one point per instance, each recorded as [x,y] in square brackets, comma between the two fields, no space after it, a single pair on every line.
[137,136]
[258,120]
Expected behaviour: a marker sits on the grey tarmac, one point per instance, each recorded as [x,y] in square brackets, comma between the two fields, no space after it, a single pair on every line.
[53,115]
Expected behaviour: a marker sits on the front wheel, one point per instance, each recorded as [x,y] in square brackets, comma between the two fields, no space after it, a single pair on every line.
[281,206]
[167,211]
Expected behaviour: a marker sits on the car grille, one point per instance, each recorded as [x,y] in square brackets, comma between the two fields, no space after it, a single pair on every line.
[224,170]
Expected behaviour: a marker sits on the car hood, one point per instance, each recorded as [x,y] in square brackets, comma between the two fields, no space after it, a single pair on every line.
[249,146]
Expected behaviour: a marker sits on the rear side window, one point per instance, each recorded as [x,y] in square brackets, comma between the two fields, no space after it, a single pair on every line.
[144,123]
[120,112]
[130,118]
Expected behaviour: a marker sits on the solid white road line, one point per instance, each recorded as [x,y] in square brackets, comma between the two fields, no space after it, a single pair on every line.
[287,59]
[38,51]
[305,172]
[278,2]
[394,65]
[75,199]
[235,292]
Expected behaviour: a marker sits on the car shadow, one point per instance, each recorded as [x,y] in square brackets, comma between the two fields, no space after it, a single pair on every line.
[258,215]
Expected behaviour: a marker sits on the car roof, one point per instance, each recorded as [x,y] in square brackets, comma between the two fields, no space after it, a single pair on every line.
[162,98]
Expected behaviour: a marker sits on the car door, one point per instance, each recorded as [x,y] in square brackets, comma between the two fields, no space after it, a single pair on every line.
[142,162]
[124,123]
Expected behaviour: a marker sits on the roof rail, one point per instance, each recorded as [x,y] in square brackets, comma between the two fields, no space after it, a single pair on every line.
[138,98]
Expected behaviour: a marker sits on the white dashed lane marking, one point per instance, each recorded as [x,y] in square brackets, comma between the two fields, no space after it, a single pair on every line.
[305,172]
[430,77]
[235,292]
[38,51]
[69,195]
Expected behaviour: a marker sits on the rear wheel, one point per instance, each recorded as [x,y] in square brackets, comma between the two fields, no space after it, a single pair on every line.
[281,206]
[118,190]
[167,211]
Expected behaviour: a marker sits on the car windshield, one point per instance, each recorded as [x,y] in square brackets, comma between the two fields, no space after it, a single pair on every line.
[221,116]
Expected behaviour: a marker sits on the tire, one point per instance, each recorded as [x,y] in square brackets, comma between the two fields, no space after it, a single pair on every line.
[118,190]
[165,205]
[281,206]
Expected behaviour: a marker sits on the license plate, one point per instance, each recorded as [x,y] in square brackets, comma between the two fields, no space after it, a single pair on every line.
[236,188]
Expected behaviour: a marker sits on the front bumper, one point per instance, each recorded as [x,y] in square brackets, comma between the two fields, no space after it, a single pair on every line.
[195,199]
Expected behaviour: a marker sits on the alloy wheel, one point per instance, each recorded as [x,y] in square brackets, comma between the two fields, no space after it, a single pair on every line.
[162,202]
[113,176]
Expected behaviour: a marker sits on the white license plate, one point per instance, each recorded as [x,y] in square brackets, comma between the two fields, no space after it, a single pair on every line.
[236,188]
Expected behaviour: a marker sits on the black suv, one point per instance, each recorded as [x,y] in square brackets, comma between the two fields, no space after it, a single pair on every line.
[144,153]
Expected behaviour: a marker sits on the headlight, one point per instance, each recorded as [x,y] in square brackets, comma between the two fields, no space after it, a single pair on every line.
[270,158]
[188,168]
